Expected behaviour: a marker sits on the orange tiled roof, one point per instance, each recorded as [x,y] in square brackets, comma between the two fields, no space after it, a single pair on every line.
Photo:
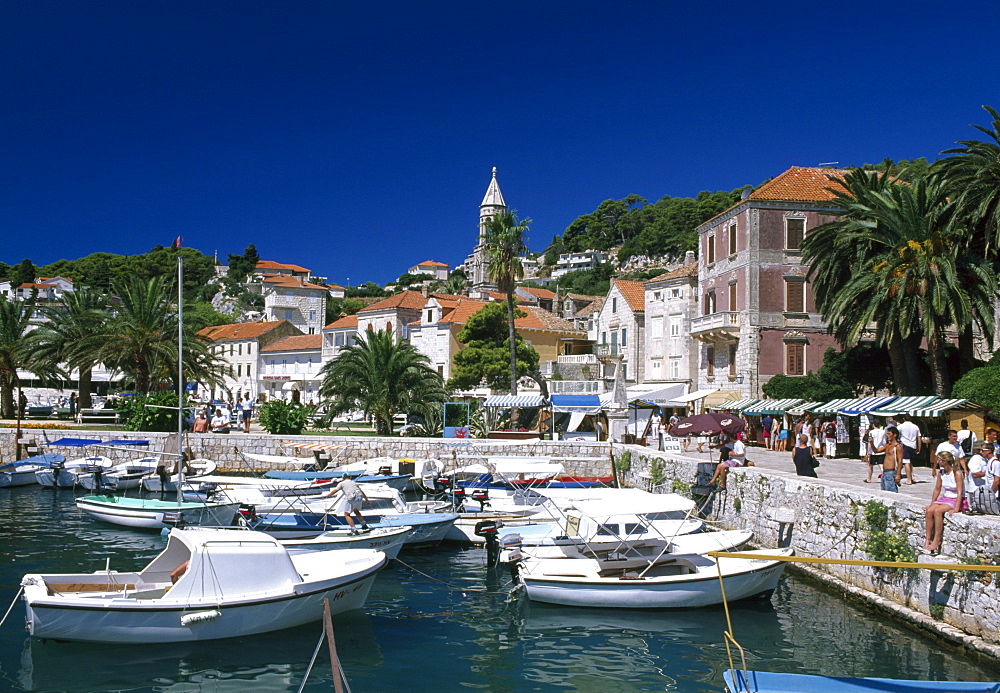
[241,330]
[538,293]
[800,184]
[404,299]
[541,319]
[346,321]
[268,264]
[634,293]
[592,307]
[431,263]
[286,282]
[299,342]
[334,286]
[690,270]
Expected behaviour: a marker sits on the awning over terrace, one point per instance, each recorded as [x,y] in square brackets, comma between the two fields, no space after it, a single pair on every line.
[928,405]
[832,406]
[508,401]
[738,405]
[800,409]
[576,404]
[772,406]
[696,395]
[864,405]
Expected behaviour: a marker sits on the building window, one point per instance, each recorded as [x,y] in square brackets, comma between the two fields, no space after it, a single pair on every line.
[312,330]
[732,360]
[795,231]
[732,239]
[312,315]
[710,361]
[249,349]
[441,371]
[430,316]
[604,338]
[656,295]
[795,363]
[614,305]
[656,325]
[239,349]
[675,326]
[711,249]
[675,367]
[624,337]
[709,302]
[239,370]
[675,293]
[795,296]
[732,297]
[338,339]
[288,314]
[248,370]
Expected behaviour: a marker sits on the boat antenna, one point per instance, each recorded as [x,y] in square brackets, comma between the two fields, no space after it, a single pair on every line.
[180,377]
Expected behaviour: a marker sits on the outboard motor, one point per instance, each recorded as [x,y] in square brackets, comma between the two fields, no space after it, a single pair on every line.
[483,496]
[209,488]
[385,470]
[511,555]
[488,530]
[458,496]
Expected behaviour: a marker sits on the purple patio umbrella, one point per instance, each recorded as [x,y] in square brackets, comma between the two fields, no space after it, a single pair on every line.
[707,425]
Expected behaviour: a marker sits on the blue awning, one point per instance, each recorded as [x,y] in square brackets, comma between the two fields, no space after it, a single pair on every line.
[75,442]
[576,404]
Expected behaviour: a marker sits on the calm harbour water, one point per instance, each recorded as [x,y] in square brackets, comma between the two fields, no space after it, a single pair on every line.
[439,621]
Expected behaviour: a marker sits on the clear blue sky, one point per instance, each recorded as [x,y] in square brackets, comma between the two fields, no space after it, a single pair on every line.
[357,139]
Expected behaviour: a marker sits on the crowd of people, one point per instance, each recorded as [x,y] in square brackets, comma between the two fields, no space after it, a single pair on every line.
[238,415]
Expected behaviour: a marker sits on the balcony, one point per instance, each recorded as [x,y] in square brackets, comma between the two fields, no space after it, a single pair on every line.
[576,387]
[608,350]
[716,326]
[578,358]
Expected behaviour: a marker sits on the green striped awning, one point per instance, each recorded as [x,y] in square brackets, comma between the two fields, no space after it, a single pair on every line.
[863,405]
[938,408]
[804,407]
[738,405]
[832,407]
[905,405]
[772,406]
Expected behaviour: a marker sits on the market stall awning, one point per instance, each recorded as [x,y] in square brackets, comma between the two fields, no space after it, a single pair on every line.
[657,394]
[864,405]
[833,406]
[576,404]
[938,408]
[695,396]
[771,406]
[738,405]
[508,401]
[800,409]
[903,405]
[718,399]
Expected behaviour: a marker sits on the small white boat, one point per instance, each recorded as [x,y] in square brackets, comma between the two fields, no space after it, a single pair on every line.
[67,474]
[673,581]
[122,477]
[388,540]
[22,472]
[160,482]
[236,583]
[152,513]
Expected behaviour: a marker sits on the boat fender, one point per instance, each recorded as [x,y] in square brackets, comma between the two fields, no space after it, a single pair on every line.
[200,617]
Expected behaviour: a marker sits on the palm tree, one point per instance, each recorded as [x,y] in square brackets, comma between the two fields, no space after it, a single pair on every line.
[67,336]
[16,351]
[894,258]
[381,376]
[505,244]
[141,340]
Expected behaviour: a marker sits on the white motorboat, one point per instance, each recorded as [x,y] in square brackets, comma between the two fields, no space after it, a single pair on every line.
[236,583]
[125,476]
[160,482]
[22,472]
[67,474]
[388,540]
[153,513]
[670,582]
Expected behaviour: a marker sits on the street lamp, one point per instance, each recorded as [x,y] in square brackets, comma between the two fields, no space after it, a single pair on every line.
[739,379]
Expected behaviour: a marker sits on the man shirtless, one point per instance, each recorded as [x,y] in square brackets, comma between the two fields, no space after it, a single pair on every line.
[892,464]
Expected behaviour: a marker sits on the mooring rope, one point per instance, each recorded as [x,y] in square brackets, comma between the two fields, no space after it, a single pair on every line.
[11,607]
[431,577]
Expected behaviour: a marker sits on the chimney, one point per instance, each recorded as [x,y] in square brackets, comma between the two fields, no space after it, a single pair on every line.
[689,257]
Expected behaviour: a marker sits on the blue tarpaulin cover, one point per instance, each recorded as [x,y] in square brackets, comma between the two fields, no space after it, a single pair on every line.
[75,442]
[578,404]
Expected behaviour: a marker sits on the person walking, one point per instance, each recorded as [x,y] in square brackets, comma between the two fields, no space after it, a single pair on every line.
[781,438]
[247,415]
[876,440]
[351,499]
[909,438]
[765,430]
[948,498]
[892,460]
[830,438]
[950,444]
[802,458]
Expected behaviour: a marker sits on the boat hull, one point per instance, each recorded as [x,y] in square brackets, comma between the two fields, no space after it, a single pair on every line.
[144,513]
[428,529]
[388,540]
[131,621]
[19,477]
[767,682]
[674,592]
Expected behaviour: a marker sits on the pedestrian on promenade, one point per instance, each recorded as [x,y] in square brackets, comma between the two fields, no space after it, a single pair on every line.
[781,440]
[967,439]
[948,498]
[830,438]
[876,440]
[909,438]
[892,460]
[765,430]
[981,480]
[72,405]
[802,458]
[200,423]
[950,444]
[661,432]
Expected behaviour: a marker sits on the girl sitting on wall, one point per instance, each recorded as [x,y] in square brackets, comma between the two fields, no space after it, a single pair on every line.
[948,498]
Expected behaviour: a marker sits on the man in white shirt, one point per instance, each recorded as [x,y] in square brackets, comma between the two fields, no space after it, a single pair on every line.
[967,439]
[876,440]
[909,436]
[951,445]
[981,479]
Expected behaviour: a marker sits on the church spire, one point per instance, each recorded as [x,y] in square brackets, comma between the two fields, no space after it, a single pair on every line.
[493,197]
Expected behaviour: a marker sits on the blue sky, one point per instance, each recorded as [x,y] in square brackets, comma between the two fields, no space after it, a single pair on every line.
[357,139]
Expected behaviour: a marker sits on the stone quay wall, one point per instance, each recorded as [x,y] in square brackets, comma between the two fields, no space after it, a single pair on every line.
[827,519]
[817,517]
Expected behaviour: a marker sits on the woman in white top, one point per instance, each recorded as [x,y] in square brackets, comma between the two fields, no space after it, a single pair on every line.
[948,498]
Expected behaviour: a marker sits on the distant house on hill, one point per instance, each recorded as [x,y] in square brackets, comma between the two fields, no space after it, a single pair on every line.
[437,270]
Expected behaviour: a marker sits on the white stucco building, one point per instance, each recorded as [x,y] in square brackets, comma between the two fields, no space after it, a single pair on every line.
[291,365]
[671,300]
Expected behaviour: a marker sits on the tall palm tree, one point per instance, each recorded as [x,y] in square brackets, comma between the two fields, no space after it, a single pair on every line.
[505,244]
[16,351]
[902,268]
[141,339]
[382,377]
[67,336]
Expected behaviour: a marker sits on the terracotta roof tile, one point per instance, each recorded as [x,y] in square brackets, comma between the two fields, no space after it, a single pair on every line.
[286,282]
[268,264]
[404,299]
[800,184]
[541,319]
[241,330]
[634,293]
[690,270]
[346,321]
[431,263]
[538,293]
[591,308]
[299,342]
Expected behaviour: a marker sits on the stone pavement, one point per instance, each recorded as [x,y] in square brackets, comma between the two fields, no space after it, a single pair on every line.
[844,470]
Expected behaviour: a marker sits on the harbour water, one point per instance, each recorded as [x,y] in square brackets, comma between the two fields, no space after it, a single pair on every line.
[438,620]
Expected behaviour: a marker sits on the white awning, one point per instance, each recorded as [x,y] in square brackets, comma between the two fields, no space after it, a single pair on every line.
[508,401]
[658,394]
[696,395]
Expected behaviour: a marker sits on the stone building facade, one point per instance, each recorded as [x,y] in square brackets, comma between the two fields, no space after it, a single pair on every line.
[757,314]
[619,328]
[300,302]
[239,346]
[671,301]
[289,368]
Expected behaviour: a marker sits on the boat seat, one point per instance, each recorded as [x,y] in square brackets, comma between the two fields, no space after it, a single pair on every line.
[61,587]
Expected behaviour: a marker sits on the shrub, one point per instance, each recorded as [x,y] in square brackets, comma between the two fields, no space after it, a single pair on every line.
[156,411]
[624,462]
[278,417]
